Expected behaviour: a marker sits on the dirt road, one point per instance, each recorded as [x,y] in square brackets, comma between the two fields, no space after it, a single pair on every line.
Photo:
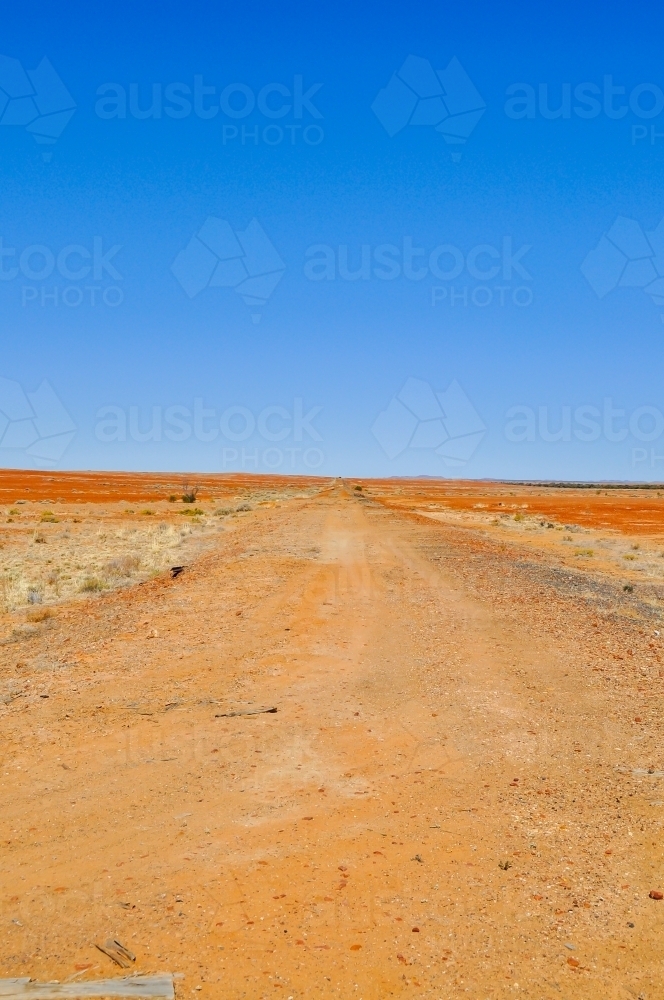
[460,792]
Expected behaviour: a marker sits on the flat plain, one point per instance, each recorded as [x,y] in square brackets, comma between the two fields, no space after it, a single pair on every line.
[460,791]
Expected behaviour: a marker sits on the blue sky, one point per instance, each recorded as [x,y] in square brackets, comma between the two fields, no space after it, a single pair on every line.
[514,263]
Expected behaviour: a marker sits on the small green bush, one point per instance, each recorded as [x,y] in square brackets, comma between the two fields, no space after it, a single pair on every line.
[189,493]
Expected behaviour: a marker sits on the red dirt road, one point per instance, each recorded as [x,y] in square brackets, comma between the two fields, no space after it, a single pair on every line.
[460,793]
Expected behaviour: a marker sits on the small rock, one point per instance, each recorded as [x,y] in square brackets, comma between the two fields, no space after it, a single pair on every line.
[654,894]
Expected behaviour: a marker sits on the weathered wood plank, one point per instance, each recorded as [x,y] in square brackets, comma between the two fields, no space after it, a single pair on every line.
[146,987]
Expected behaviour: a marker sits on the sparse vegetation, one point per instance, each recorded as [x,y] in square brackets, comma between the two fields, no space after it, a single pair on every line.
[49,516]
[192,513]
[92,584]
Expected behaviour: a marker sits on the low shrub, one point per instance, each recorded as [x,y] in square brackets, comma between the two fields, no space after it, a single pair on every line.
[189,493]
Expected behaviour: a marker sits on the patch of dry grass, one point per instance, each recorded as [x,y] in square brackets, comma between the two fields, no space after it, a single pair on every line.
[61,551]
[81,556]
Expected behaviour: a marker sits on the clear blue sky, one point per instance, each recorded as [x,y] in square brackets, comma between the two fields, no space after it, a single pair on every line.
[356,262]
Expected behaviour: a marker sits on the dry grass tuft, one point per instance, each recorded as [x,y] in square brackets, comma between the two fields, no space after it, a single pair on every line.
[40,615]
[122,567]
